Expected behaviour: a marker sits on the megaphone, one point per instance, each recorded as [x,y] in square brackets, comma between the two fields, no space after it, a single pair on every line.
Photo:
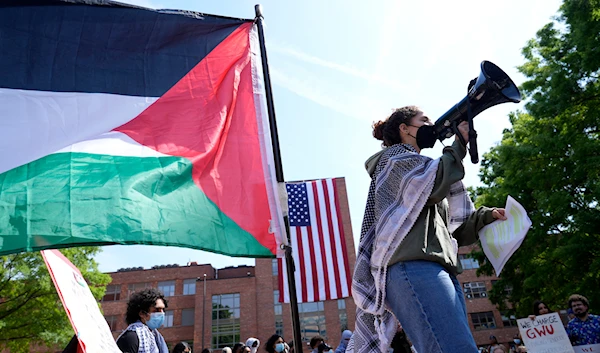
[492,87]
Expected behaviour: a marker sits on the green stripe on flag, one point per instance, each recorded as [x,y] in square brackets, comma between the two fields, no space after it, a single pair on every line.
[68,199]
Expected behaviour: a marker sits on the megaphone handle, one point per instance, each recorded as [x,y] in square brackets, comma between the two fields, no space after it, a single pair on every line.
[472,136]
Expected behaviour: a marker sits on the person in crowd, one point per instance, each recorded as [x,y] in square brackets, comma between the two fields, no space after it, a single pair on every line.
[246,349]
[324,348]
[346,335]
[206,350]
[226,350]
[517,341]
[315,342]
[253,343]
[418,213]
[182,347]
[145,314]
[238,347]
[493,344]
[499,349]
[276,344]
[584,328]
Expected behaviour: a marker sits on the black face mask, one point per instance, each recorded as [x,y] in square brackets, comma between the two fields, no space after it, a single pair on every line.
[426,136]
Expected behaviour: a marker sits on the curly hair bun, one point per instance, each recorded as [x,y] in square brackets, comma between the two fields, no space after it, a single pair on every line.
[378,128]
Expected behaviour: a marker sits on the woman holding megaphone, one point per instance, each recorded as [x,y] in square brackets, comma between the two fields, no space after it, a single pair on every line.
[418,213]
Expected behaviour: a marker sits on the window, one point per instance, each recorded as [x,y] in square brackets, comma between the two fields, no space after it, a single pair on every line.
[278,313]
[343,315]
[187,317]
[168,318]
[508,319]
[167,288]
[275,267]
[189,286]
[136,287]
[225,320]
[467,262]
[475,290]
[111,320]
[113,293]
[483,321]
[312,320]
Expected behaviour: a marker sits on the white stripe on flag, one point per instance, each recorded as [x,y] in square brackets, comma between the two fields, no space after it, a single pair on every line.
[316,245]
[326,241]
[341,256]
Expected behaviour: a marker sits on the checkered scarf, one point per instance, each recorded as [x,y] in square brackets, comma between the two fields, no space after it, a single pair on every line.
[150,341]
[400,187]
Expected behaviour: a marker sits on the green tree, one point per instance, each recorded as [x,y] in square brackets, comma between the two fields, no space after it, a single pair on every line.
[30,310]
[550,162]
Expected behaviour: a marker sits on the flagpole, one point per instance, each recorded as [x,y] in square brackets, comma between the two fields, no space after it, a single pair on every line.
[289,260]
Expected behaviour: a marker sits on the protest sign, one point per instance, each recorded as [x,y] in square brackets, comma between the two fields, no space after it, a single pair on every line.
[500,239]
[91,328]
[545,334]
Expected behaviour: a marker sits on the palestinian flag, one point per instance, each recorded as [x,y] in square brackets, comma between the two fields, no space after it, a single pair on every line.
[124,125]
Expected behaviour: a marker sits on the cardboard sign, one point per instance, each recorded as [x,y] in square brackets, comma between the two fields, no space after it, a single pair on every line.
[91,328]
[545,334]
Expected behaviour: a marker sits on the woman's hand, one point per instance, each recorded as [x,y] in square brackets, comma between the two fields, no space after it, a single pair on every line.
[463,128]
[498,213]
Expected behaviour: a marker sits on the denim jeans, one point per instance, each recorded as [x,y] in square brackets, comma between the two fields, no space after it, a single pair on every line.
[429,303]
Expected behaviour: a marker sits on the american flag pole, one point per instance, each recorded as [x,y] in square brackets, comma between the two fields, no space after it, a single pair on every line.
[289,260]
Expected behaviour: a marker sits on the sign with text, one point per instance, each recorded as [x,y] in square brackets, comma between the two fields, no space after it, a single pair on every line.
[545,334]
[91,328]
[500,239]
[588,348]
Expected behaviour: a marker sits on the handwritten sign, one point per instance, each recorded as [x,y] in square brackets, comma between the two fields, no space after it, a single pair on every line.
[588,348]
[90,326]
[501,239]
[545,334]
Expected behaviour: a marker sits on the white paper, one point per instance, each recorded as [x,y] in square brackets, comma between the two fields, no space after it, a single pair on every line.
[500,239]
[545,334]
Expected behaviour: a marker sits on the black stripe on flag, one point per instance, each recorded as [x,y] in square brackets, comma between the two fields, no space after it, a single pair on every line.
[104,47]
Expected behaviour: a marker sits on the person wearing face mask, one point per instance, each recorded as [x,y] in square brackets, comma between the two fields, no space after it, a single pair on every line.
[276,344]
[145,314]
[253,343]
[346,335]
[418,213]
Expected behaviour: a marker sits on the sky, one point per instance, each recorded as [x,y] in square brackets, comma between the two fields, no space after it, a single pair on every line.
[339,65]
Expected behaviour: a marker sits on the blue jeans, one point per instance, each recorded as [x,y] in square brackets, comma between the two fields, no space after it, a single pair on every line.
[428,301]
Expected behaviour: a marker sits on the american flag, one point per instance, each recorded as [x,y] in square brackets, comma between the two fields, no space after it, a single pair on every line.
[318,243]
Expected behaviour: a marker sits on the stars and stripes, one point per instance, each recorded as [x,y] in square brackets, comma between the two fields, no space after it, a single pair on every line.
[318,243]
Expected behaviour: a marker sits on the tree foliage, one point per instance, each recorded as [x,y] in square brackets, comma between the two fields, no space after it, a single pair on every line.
[31,312]
[550,162]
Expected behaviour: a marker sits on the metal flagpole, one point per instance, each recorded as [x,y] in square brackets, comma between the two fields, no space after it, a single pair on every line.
[289,260]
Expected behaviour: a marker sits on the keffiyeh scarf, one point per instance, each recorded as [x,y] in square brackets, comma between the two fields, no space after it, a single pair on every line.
[150,341]
[400,187]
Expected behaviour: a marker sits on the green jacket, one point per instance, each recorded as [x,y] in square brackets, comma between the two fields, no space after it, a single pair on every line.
[429,238]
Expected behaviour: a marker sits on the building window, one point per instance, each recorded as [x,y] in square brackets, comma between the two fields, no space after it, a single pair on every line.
[278,313]
[343,314]
[475,290]
[312,320]
[483,321]
[467,262]
[225,320]
[111,320]
[508,319]
[136,287]
[275,267]
[113,293]
[187,317]
[168,318]
[189,286]
[167,288]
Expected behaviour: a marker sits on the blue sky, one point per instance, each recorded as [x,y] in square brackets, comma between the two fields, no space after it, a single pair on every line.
[337,66]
